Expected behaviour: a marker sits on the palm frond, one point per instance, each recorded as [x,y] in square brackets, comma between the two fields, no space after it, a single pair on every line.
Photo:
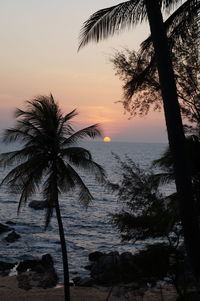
[76,154]
[91,132]
[80,157]
[19,174]
[48,216]
[65,182]
[15,134]
[108,21]
[65,126]
[50,193]
[10,158]
[85,196]
[29,181]
[177,25]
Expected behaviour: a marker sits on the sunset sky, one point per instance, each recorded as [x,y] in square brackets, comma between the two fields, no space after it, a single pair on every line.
[39,41]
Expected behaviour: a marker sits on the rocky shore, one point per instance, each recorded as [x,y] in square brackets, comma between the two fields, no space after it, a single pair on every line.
[111,275]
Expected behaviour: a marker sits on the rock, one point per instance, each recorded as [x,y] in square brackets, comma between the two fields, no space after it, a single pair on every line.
[76,280]
[47,261]
[6,266]
[24,282]
[116,292]
[88,267]
[86,281]
[94,256]
[106,269]
[12,237]
[140,268]
[48,279]
[10,223]
[38,205]
[27,264]
[41,273]
[4,228]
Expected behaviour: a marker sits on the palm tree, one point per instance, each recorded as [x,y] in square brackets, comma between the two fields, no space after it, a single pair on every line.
[108,21]
[48,159]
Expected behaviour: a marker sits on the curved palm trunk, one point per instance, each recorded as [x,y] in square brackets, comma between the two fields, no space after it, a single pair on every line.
[175,135]
[61,233]
[64,252]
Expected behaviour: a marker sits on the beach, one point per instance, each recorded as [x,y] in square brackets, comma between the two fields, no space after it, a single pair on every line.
[9,291]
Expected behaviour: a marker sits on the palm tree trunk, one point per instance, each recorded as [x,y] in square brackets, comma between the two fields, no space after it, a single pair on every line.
[175,135]
[64,252]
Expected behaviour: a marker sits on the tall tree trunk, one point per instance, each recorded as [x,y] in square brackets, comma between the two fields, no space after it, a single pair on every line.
[175,135]
[64,252]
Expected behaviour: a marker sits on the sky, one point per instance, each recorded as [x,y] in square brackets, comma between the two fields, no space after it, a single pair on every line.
[38,56]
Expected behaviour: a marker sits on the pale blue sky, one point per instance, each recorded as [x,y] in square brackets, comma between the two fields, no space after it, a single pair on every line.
[39,41]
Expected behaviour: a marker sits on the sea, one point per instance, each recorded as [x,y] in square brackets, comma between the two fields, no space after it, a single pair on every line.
[86,231]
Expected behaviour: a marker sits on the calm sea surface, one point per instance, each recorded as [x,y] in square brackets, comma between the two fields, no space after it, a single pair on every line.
[86,231]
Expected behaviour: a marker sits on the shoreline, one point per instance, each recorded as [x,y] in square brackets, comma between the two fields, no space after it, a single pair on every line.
[9,291]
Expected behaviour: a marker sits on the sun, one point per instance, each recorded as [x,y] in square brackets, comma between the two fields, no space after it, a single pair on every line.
[106,139]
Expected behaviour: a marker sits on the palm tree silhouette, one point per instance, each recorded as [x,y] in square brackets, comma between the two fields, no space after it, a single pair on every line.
[47,159]
[105,23]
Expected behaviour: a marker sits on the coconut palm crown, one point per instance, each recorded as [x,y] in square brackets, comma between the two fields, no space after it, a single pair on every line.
[109,21]
[48,158]
[49,152]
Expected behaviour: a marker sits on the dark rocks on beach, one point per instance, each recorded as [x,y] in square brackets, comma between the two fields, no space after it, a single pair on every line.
[5,267]
[37,273]
[4,228]
[86,281]
[12,237]
[94,256]
[140,268]
[38,205]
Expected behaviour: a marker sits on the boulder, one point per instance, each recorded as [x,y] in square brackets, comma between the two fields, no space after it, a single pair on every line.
[12,237]
[94,256]
[24,281]
[27,264]
[76,280]
[10,223]
[5,267]
[106,269]
[86,281]
[38,205]
[37,273]
[148,265]
[4,228]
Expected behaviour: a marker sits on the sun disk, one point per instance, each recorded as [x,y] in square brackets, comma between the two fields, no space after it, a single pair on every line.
[106,139]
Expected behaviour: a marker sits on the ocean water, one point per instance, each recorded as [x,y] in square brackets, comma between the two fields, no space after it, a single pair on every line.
[86,230]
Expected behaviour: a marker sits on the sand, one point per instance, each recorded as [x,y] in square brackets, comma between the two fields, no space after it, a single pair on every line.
[9,291]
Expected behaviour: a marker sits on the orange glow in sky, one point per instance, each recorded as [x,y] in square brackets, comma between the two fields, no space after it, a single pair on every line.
[39,57]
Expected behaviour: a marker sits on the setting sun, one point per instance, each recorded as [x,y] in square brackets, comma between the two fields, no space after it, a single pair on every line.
[106,139]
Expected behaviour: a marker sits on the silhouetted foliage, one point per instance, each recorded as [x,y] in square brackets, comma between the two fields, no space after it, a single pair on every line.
[141,82]
[108,21]
[48,159]
[149,212]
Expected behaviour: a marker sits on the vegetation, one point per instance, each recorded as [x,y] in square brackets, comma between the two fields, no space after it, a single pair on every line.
[48,160]
[141,82]
[148,213]
[105,23]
